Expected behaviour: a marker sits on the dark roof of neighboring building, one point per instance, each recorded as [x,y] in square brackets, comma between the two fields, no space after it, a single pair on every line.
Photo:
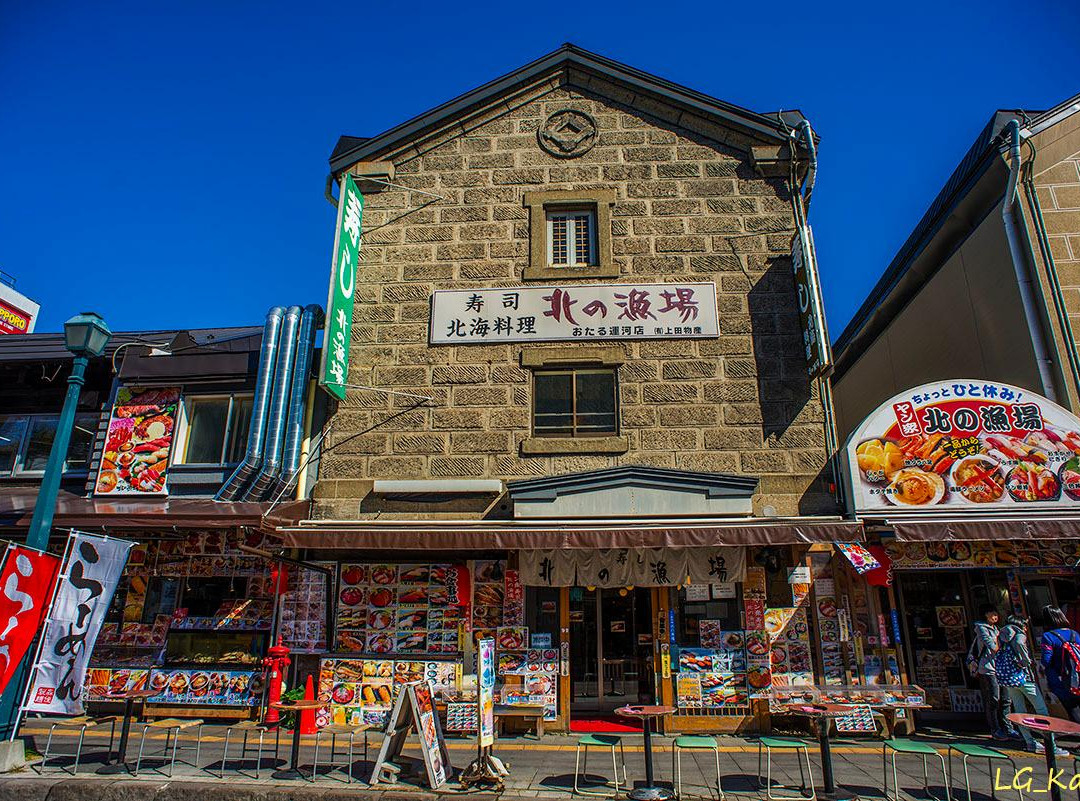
[772,126]
[50,347]
[879,308]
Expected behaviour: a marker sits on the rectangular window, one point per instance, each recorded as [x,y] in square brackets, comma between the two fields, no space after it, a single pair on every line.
[26,442]
[215,429]
[575,403]
[571,238]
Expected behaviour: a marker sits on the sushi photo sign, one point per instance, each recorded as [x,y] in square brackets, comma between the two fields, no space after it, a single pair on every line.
[965,445]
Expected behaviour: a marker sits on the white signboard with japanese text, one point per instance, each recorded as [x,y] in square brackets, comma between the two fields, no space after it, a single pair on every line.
[86,586]
[593,313]
[967,445]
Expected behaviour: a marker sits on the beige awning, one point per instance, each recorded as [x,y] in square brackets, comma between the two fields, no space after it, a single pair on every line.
[997,529]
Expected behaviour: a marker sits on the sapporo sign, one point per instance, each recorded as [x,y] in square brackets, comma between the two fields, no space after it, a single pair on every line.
[965,445]
[811,309]
[339,304]
[583,313]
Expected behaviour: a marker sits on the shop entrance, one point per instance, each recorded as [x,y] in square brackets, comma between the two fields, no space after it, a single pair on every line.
[610,649]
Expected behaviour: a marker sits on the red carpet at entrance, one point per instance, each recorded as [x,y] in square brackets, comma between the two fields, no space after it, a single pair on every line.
[606,724]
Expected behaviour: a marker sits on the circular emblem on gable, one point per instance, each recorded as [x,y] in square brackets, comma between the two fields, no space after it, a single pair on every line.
[567,133]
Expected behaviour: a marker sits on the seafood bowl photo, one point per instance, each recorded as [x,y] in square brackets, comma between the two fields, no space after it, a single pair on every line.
[1031,481]
[978,479]
[915,487]
[1069,476]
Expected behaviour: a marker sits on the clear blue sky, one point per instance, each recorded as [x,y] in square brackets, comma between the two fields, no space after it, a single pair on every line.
[163,163]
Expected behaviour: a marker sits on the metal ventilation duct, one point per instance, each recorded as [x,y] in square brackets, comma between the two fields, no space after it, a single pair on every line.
[294,428]
[279,407]
[260,407]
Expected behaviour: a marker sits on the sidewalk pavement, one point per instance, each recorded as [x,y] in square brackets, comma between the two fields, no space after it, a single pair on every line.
[541,769]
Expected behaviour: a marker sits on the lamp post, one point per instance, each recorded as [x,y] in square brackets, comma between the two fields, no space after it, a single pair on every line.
[86,336]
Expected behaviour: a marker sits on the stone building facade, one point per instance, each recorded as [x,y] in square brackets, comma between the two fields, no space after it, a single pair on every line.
[686,189]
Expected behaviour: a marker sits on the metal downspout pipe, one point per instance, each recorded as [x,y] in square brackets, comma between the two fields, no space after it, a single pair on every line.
[294,427]
[253,455]
[1023,275]
[279,407]
[1051,271]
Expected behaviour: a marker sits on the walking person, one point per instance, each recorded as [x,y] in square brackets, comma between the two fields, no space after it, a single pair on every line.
[1059,660]
[1014,664]
[982,663]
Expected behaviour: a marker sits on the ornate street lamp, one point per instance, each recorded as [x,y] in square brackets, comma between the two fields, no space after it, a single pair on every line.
[86,336]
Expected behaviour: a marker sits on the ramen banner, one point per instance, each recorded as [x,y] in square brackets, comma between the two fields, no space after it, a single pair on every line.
[965,445]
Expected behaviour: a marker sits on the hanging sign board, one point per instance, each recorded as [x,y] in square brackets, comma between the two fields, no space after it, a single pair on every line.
[26,584]
[485,675]
[135,459]
[593,313]
[811,307]
[83,596]
[966,446]
[334,371]
[414,710]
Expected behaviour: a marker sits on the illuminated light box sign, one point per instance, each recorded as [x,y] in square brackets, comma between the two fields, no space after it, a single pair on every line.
[965,445]
[18,314]
[594,313]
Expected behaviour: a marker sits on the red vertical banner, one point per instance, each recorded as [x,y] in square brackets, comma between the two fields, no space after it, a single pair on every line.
[26,584]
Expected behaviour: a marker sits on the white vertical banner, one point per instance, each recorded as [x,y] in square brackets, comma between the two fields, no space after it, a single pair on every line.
[84,593]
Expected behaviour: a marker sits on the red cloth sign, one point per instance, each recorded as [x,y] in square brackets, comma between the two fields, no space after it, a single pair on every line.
[26,584]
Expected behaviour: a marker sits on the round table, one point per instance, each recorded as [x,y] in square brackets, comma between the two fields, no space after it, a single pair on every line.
[1046,727]
[822,713]
[129,698]
[650,792]
[293,771]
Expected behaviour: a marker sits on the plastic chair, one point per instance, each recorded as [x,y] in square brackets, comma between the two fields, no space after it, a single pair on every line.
[82,723]
[249,727]
[172,727]
[979,752]
[599,741]
[344,731]
[693,742]
[785,744]
[914,748]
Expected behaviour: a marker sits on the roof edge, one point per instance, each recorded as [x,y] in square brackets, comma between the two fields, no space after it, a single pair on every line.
[774,124]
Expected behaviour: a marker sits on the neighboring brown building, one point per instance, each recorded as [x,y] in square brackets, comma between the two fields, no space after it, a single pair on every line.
[951,304]
[576,328]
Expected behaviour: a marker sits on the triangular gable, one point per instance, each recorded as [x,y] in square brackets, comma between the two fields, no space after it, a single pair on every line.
[570,60]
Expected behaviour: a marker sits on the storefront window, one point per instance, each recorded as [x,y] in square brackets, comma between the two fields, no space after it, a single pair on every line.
[161,597]
[690,613]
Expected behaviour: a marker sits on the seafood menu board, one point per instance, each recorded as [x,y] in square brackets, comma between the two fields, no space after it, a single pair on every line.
[1029,553]
[303,612]
[966,445]
[357,691]
[400,608]
[101,681]
[530,677]
[713,677]
[135,459]
[489,596]
[896,696]
[789,653]
[212,687]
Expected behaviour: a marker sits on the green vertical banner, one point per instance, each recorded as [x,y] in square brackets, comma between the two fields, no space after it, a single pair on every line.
[339,304]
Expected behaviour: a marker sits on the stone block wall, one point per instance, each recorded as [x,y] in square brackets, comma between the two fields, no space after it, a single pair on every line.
[689,207]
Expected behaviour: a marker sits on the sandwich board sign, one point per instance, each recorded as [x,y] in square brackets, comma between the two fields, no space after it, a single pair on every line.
[413,709]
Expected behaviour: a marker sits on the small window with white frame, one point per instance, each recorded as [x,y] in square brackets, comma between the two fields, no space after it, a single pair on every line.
[213,429]
[571,235]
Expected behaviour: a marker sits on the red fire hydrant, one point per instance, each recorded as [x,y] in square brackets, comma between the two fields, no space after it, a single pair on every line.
[275,665]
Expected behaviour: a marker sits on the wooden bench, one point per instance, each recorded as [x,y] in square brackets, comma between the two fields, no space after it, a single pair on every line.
[522,712]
